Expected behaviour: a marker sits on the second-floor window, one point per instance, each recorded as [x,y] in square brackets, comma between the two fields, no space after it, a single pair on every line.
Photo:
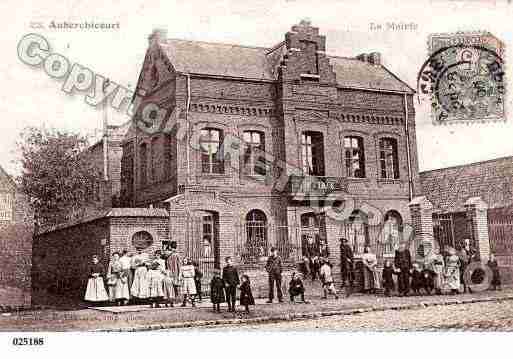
[210,143]
[354,156]
[388,160]
[6,203]
[312,153]
[254,142]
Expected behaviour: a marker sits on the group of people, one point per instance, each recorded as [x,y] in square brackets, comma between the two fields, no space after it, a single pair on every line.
[164,277]
[141,278]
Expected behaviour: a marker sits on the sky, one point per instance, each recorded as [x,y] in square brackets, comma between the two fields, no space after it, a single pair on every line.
[30,97]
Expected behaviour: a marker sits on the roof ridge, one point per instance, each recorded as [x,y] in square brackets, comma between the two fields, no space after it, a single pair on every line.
[216,43]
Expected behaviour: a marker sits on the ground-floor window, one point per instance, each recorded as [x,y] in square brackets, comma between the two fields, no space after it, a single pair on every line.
[256,246]
[357,231]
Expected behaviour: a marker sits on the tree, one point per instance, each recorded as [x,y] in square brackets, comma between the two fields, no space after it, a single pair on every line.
[57,174]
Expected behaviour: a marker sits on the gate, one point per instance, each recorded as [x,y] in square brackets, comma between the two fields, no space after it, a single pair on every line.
[450,229]
[500,233]
[202,243]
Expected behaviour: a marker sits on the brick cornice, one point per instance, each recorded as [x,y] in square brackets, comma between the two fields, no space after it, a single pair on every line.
[224,109]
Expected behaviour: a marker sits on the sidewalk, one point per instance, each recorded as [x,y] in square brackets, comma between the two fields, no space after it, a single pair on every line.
[140,318]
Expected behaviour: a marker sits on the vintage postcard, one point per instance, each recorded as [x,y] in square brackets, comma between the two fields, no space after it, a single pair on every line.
[286,166]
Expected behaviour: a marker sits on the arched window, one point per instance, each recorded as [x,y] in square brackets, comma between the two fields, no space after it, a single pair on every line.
[354,156]
[358,230]
[392,230]
[210,143]
[142,240]
[256,236]
[388,159]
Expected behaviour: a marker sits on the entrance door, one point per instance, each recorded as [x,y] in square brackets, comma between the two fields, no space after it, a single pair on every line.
[202,244]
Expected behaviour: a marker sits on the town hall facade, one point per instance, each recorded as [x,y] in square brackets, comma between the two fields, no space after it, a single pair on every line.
[257,142]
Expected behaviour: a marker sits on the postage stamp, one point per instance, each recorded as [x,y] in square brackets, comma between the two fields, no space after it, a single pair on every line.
[464,78]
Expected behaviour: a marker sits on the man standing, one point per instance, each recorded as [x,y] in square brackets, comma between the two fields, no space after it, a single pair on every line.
[402,262]
[346,264]
[466,255]
[173,264]
[273,268]
[231,280]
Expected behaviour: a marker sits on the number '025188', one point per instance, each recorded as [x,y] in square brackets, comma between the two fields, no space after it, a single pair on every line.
[21,341]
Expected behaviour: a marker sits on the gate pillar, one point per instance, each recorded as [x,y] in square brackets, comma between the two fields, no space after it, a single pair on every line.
[421,210]
[477,213]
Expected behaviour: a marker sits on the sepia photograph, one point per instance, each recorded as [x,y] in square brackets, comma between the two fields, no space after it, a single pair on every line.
[208,173]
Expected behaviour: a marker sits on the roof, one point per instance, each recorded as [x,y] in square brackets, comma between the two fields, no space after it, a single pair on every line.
[106,213]
[359,74]
[449,188]
[260,63]
[217,59]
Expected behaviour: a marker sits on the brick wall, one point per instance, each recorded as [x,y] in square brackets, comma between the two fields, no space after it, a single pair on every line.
[61,257]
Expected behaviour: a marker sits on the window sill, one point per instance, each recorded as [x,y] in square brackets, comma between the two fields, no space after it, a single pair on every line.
[214,175]
[357,179]
[390,181]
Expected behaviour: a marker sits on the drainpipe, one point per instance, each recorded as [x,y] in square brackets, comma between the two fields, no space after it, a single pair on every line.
[187,106]
[408,154]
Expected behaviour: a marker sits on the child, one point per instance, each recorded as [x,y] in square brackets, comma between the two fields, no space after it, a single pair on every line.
[246,296]
[155,281]
[494,266]
[95,291]
[188,285]
[296,288]
[217,291]
[327,279]
[388,280]
[197,280]
[417,279]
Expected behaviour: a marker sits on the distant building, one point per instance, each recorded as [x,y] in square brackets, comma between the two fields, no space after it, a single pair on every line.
[16,231]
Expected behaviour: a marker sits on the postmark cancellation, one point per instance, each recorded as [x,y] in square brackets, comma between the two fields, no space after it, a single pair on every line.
[464,78]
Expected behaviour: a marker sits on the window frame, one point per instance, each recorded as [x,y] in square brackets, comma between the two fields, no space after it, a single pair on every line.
[212,161]
[312,153]
[252,154]
[349,160]
[393,153]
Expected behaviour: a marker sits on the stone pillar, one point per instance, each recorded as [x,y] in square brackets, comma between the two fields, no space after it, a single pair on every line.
[421,210]
[477,214]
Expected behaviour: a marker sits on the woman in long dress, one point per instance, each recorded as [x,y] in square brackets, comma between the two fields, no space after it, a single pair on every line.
[118,281]
[434,265]
[95,291]
[155,282]
[140,286]
[452,272]
[371,280]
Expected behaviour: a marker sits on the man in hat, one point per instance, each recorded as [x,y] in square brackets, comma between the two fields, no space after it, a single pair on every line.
[231,281]
[346,264]
[274,269]
[403,264]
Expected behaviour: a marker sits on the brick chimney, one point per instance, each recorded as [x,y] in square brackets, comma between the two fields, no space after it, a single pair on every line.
[158,34]
[373,58]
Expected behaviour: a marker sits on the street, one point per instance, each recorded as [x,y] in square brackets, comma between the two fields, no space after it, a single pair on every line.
[486,316]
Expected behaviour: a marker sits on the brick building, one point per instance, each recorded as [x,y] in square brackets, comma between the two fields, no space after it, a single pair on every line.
[474,201]
[16,230]
[273,133]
